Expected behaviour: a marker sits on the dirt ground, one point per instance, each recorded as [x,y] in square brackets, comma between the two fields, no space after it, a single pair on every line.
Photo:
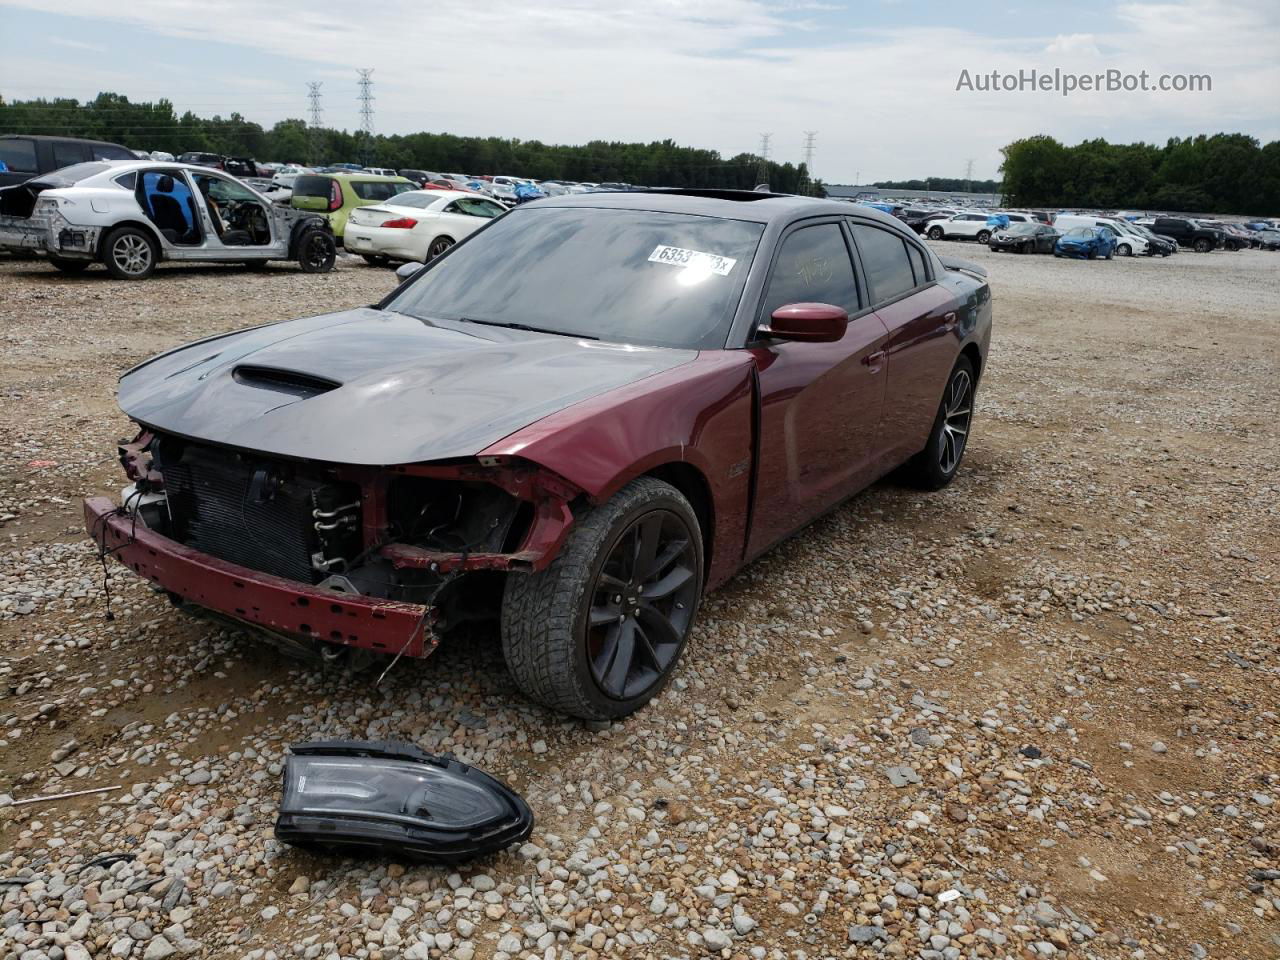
[1032,715]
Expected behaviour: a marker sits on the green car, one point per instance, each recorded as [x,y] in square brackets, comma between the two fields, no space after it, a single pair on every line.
[337,194]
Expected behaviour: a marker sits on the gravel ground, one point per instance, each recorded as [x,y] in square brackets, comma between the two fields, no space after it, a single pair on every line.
[1033,715]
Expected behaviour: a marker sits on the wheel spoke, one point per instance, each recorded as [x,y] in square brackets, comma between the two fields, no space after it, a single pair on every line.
[601,616]
[669,584]
[614,676]
[648,539]
[669,555]
[957,431]
[658,628]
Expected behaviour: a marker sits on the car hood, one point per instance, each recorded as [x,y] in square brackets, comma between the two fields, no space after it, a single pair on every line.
[370,386]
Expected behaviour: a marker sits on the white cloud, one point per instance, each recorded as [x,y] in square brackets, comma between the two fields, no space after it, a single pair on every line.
[718,72]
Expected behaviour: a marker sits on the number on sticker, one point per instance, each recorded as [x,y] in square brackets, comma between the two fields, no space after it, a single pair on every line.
[680,257]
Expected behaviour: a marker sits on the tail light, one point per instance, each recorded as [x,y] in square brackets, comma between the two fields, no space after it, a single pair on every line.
[401,223]
[335,195]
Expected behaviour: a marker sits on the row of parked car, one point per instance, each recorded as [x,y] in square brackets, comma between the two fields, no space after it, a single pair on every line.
[1093,235]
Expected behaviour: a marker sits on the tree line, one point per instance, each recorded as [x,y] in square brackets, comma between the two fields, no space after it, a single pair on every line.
[1228,173]
[942,185]
[158,126]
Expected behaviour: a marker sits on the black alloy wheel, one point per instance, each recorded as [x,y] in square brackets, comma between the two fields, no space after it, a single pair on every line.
[642,605]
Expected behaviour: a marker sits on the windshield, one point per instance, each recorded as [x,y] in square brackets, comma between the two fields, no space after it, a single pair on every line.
[627,276]
[1080,232]
[1021,230]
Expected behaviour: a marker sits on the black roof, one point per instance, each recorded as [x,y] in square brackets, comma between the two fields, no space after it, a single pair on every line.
[729,204]
[38,136]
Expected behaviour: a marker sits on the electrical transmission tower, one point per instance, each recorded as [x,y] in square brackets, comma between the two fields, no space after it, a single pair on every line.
[809,136]
[366,110]
[762,170]
[968,176]
[313,128]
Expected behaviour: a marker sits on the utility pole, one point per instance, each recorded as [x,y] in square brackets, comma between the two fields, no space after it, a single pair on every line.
[809,136]
[968,176]
[366,110]
[313,128]
[762,169]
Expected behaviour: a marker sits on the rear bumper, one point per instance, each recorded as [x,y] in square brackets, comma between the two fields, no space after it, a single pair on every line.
[259,599]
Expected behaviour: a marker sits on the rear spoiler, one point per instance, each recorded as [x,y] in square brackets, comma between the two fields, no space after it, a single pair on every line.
[964,266]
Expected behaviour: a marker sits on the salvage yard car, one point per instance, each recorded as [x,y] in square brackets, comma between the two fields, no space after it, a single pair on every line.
[130,215]
[335,195]
[579,420]
[417,225]
[1086,243]
[1024,238]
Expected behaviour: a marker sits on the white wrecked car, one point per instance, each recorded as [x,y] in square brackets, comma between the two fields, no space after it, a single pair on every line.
[130,215]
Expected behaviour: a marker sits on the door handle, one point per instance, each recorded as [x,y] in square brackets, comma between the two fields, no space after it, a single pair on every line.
[874,359]
[949,320]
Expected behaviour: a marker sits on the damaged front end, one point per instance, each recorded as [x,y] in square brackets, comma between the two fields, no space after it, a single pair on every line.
[324,556]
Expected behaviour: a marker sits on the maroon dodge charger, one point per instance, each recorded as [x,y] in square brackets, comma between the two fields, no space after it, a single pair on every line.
[578,420]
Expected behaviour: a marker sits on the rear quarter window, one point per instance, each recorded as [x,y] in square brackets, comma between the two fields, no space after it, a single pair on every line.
[67,154]
[107,151]
[378,189]
[310,186]
[19,154]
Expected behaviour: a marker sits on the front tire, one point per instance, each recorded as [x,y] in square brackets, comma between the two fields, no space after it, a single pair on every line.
[935,233]
[1124,250]
[936,465]
[129,254]
[1202,246]
[598,633]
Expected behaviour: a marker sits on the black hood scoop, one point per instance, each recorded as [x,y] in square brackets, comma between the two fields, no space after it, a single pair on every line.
[294,383]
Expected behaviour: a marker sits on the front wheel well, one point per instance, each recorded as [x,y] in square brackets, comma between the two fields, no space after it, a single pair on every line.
[689,480]
[975,357]
[146,228]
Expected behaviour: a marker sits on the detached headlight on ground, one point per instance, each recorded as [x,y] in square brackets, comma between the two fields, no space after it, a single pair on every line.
[391,798]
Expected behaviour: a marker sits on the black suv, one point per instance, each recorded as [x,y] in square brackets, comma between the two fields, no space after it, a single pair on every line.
[27,156]
[1189,233]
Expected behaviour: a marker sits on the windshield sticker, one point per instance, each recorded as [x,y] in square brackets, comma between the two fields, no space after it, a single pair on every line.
[695,259]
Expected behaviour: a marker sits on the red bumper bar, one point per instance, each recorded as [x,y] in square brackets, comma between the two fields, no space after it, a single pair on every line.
[284,606]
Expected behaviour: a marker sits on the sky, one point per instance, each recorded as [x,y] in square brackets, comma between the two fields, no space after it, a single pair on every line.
[876,80]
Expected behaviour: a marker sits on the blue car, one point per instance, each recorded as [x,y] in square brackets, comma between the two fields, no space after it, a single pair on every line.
[1086,243]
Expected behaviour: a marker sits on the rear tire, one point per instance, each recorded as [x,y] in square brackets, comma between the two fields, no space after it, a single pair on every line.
[983,236]
[129,254]
[438,246]
[564,630]
[316,251]
[70,266]
[937,464]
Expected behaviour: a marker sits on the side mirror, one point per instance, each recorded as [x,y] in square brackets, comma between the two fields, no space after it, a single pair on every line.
[408,270]
[806,323]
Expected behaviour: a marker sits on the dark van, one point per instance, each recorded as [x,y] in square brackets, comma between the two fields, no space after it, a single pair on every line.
[27,156]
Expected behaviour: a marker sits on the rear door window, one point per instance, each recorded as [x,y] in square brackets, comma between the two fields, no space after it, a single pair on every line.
[19,154]
[66,154]
[885,261]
